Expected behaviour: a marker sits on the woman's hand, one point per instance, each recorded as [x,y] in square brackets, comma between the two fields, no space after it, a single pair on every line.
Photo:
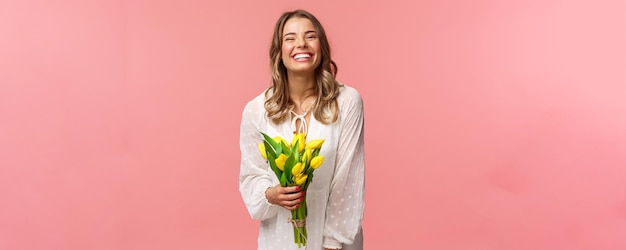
[287,197]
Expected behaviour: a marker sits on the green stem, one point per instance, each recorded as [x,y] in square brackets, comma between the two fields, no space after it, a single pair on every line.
[299,233]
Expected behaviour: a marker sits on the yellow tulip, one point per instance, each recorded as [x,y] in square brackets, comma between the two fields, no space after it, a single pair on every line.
[300,139]
[279,139]
[262,150]
[307,155]
[297,169]
[280,161]
[317,161]
[301,179]
[315,144]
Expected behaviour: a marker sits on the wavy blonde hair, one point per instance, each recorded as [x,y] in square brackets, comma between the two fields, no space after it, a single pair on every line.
[278,105]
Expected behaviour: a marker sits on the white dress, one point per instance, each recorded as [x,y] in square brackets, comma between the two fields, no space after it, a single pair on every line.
[335,197]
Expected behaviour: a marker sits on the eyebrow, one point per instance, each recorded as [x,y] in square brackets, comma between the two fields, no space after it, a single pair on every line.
[306,32]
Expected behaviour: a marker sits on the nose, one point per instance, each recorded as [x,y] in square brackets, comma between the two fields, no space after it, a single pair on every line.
[301,43]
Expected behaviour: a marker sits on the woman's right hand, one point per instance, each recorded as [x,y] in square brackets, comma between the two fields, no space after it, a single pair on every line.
[287,197]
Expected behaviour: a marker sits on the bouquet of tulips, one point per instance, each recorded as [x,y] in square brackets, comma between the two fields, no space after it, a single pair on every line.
[294,164]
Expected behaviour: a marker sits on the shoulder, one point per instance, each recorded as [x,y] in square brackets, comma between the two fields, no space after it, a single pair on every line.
[349,97]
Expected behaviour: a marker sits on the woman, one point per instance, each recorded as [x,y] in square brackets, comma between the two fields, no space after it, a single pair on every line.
[305,98]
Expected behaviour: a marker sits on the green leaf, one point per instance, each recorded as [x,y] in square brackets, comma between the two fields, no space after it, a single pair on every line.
[269,150]
[315,152]
[309,171]
[307,166]
[270,141]
[308,181]
[272,162]
[285,148]
[283,180]
[289,163]
[279,148]
[295,152]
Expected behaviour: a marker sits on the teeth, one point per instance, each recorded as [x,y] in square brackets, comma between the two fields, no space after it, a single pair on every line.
[298,56]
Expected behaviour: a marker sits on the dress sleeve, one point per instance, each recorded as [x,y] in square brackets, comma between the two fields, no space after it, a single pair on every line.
[254,177]
[347,191]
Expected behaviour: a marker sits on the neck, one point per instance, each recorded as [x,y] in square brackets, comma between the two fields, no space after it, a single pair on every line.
[301,87]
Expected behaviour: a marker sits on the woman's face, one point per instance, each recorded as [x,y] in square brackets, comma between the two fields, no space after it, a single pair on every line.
[300,46]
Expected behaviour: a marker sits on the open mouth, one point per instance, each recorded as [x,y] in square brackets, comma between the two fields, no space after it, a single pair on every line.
[302,56]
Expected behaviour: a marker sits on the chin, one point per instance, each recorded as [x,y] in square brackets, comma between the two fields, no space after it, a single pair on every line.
[303,71]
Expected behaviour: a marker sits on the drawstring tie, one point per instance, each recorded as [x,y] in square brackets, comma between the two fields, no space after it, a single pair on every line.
[303,127]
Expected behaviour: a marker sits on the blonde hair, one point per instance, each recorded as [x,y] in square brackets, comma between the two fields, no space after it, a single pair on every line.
[277,105]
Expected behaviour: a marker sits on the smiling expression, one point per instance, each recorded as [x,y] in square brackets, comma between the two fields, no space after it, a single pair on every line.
[300,46]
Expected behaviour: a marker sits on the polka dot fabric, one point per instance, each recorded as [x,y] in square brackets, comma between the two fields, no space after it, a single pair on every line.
[335,198]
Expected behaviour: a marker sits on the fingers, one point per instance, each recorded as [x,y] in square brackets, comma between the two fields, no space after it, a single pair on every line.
[291,189]
[292,207]
[290,197]
[287,197]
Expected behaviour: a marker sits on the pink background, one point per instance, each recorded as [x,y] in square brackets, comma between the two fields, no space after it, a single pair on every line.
[490,124]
